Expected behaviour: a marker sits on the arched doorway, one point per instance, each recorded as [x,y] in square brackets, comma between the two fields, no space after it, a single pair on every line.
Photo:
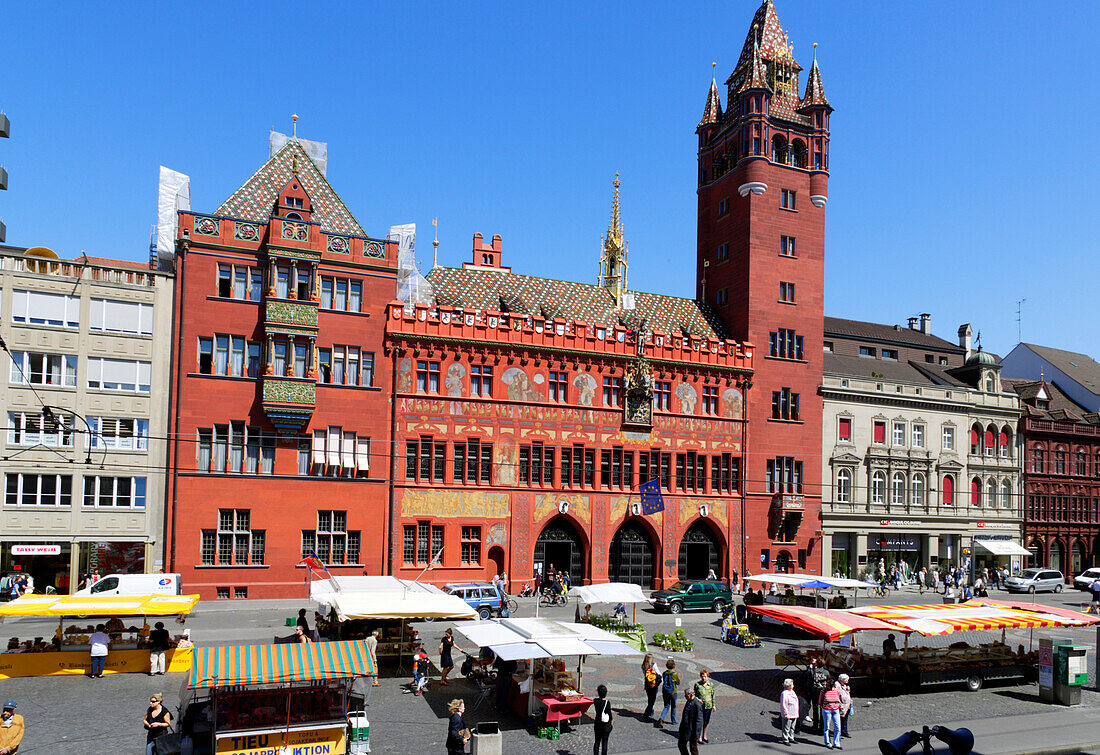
[699,553]
[1057,555]
[1077,558]
[496,563]
[1035,548]
[783,563]
[631,556]
[560,544]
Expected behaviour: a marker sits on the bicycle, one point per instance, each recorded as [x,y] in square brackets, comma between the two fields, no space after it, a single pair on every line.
[552,599]
[879,591]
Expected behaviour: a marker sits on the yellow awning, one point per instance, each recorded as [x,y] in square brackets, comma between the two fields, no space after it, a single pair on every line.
[107,605]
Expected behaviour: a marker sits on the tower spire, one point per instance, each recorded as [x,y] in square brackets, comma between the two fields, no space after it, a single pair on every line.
[613,260]
[712,113]
[815,92]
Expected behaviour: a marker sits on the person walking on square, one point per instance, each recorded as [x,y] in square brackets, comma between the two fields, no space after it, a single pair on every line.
[788,710]
[651,681]
[688,741]
[602,712]
[446,663]
[157,720]
[829,701]
[670,682]
[704,693]
[99,642]
[372,648]
[845,689]
[12,729]
[457,732]
[735,582]
[817,679]
[158,646]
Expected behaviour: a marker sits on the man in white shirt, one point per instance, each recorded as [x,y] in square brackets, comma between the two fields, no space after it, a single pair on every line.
[99,642]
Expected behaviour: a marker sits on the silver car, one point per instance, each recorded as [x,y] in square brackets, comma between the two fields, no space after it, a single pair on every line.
[1036,580]
[1085,578]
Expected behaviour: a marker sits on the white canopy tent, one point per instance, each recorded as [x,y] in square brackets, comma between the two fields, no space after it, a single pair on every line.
[610,592]
[387,598]
[796,580]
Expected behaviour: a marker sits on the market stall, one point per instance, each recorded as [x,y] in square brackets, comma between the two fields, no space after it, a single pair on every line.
[356,606]
[542,681]
[615,593]
[253,699]
[786,584]
[68,651]
[919,665]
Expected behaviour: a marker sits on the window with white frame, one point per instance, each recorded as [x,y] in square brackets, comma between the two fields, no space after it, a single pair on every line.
[918,489]
[23,489]
[240,282]
[897,489]
[878,487]
[991,493]
[234,542]
[40,308]
[34,368]
[340,453]
[128,376]
[345,365]
[341,294]
[33,429]
[899,433]
[1006,494]
[918,436]
[471,545]
[114,492]
[235,449]
[332,541]
[131,317]
[119,433]
[948,438]
[844,486]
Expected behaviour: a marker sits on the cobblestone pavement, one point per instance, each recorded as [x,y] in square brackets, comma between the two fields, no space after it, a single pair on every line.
[77,715]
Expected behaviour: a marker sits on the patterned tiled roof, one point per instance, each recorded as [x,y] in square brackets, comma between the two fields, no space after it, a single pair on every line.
[815,92]
[758,77]
[546,297]
[766,31]
[256,198]
[767,41]
[712,113]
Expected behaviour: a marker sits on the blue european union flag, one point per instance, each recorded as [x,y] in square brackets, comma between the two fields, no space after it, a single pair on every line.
[652,500]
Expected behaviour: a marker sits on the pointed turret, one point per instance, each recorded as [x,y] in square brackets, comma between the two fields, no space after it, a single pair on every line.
[765,33]
[712,113]
[613,259]
[757,76]
[815,92]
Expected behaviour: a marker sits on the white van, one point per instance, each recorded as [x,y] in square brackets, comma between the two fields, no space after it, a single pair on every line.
[134,584]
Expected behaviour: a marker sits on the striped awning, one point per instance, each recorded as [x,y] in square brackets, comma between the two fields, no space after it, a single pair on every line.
[228,665]
[967,617]
[826,624]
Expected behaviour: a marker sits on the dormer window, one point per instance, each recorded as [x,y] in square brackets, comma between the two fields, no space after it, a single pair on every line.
[1043,404]
[296,202]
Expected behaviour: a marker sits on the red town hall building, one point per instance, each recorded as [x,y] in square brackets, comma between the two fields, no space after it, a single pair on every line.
[763,186]
[499,420]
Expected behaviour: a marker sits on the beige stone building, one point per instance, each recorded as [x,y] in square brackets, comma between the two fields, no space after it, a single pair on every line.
[87,346]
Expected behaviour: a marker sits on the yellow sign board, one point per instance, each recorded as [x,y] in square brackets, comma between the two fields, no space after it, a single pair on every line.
[326,741]
[80,663]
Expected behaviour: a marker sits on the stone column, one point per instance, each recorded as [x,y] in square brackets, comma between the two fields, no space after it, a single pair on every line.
[74,566]
[931,548]
[861,553]
[289,371]
[826,553]
[270,369]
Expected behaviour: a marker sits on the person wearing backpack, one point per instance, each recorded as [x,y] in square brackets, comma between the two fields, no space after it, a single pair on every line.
[651,681]
[602,711]
[670,682]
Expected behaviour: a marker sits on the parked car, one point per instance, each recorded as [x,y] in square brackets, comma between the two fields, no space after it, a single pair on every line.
[1086,578]
[484,597]
[1036,580]
[134,584]
[684,596]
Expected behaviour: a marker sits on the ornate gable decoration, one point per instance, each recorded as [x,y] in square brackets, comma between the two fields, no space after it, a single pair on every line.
[639,389]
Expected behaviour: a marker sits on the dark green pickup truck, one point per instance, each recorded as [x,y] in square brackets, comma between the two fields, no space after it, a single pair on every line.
[682,596]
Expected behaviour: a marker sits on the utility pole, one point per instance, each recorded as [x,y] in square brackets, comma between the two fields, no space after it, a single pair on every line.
[1019,318]
[5,130]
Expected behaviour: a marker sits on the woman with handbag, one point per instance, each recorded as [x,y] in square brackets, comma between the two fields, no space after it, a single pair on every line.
[651,680]
[157,720]
[457,732]
[602,712]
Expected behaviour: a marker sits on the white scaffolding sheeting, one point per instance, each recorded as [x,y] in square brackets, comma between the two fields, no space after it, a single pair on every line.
[412,287]
[317,151]
[173,195]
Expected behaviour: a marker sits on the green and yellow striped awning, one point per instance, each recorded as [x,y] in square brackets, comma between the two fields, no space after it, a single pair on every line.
[229,665]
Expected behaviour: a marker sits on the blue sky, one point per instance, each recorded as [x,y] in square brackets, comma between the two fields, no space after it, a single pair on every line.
[963,168]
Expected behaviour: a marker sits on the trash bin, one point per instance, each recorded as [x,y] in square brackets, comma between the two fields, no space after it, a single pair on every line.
[1070,673]
[486,740]
[358,734]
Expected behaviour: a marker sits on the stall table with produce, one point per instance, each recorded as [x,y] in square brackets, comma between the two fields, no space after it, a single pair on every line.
[918,665]
[617,594]
[68,651]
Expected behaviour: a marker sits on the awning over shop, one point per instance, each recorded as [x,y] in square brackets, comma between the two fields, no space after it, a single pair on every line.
[388,598]
[1002,547]
[110,605]
[610,592]
[829,625]
[229,665]
[514,639]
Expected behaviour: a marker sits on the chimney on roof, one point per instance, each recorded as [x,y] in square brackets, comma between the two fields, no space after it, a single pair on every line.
[912,323]
[964,339]
[926,323]
[486,255]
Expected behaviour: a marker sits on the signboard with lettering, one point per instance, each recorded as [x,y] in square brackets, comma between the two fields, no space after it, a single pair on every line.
[325,741]
[36,550]
[899,542]
[1046,669]
[900,522]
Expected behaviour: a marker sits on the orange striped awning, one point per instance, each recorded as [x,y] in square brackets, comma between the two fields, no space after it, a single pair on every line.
[228,665]
[968,617]
[826,624]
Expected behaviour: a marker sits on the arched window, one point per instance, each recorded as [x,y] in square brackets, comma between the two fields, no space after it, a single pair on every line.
[990,440]
[798,153]
[844,486]
[897,490]
[878,487]
[1038,459]
[991,493]
[779,149]
[976,492]
[293,216]
[1005,442]
[1059,460]
[989,383]
[948,490]
[1006,494]
[976,440]
[917,491]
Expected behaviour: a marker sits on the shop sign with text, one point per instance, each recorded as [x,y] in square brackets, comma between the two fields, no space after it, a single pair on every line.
[36,550]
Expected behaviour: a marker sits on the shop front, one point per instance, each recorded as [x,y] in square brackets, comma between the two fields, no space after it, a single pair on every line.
[887,549]
[45,563]
[1001,550]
